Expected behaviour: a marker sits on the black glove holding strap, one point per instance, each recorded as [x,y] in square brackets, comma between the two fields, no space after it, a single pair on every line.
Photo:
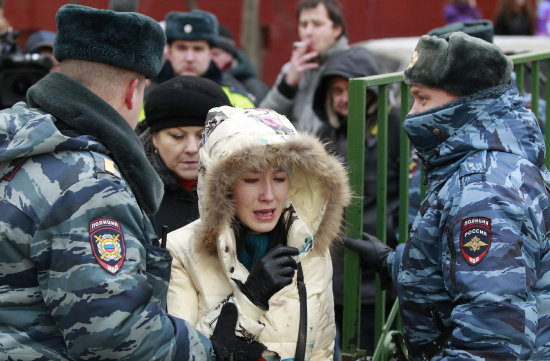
[374,254]
[269,275]
[229,347]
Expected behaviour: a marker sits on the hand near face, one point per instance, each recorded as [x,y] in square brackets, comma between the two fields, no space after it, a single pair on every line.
[301,60]
[270,274]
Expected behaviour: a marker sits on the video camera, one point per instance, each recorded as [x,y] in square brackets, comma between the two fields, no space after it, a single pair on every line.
[18,71]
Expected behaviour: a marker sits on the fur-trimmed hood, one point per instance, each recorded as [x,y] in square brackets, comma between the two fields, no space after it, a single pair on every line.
[237,141]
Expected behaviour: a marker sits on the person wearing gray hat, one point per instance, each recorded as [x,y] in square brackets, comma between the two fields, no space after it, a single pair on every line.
[322,33]
[41,42]
[472,279]
[81,271]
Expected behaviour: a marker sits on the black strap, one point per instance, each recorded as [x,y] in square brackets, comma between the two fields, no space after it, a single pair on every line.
[435,347]
[164,234]
[302,330]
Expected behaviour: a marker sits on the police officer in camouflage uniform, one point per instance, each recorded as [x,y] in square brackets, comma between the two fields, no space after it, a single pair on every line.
[80,276]
[473,279]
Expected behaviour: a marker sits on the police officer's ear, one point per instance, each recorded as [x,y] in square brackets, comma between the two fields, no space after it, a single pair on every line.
[131,93]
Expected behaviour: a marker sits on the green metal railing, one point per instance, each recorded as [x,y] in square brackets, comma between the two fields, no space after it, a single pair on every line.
[354,213]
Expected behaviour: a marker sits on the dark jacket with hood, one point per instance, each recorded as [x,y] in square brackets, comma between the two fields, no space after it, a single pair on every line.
[354,63]
[243,71]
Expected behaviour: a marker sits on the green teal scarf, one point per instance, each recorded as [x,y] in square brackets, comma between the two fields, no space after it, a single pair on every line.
[255,246]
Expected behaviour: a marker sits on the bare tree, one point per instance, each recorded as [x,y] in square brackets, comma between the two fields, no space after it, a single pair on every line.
[251,35]
[191,4]
[4,23]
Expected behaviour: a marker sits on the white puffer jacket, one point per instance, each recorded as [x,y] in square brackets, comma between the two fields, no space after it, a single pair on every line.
[205,263]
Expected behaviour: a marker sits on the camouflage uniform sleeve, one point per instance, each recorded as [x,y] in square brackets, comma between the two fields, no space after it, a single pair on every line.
[105,310]
[490,247]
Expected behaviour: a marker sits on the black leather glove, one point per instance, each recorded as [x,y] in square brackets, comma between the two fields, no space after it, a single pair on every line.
[374,254]
[269,275]
[229,347]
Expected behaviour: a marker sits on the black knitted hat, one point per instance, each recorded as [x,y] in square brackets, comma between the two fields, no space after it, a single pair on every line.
[127,40]
[194,25]
[226,41]
[183,101]
[461,64]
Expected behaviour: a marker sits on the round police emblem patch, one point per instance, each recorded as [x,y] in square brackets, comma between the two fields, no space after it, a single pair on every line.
[475,238]
[108,244]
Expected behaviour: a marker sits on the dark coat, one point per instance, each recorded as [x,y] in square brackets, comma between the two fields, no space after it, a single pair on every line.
[354,63]
[245,73]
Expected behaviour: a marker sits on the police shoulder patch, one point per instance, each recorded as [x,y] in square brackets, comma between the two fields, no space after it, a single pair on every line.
[108,244]
[475,238]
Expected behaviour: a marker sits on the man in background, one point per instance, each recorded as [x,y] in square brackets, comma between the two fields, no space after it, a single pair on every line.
[236,67]
[190,37]
[41,42]
[322,32]
[331,106]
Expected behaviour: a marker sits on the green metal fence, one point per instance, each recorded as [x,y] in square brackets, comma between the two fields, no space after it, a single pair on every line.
[354,213]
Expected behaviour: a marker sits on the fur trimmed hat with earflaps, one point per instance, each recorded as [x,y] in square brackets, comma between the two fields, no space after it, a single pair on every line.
[460,64]
[237,141]
[127,40]
[194,25]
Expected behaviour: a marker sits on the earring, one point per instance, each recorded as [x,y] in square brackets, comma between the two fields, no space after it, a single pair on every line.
[156,151]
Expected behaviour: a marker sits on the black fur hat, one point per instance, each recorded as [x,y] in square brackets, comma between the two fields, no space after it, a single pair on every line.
[460,64]
[183,101]
[194,25]
[126,40]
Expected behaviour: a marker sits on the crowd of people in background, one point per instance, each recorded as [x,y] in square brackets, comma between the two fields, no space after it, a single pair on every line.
[156,186]
[512,17]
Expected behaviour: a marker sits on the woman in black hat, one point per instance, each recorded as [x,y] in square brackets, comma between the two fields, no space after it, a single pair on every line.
[175,113]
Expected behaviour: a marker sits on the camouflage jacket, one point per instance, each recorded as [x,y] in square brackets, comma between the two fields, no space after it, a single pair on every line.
[475,272]
[80,277]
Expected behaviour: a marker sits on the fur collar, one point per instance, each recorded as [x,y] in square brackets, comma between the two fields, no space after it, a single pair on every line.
[77,106]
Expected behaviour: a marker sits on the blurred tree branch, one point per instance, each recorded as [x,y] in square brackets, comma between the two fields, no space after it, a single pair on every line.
[251,33]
